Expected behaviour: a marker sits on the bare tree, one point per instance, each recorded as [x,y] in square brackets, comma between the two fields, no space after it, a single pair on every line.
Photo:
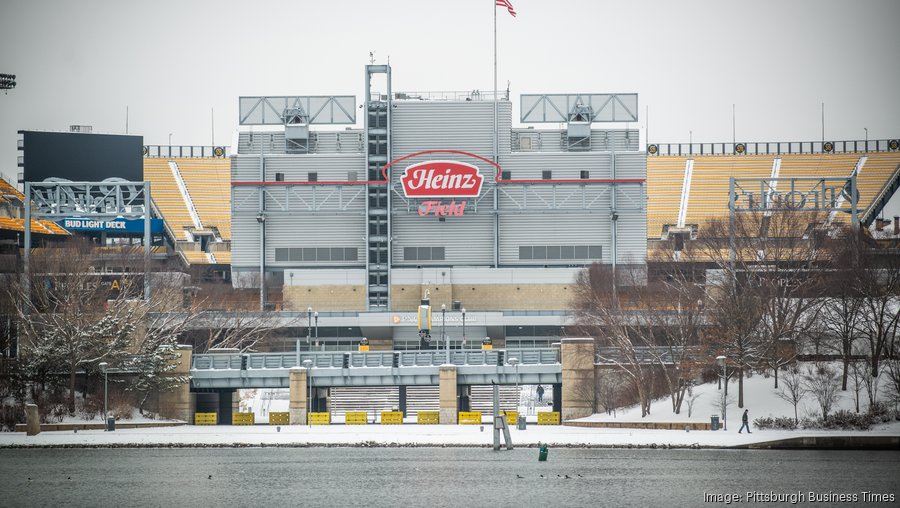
[859,373]
[893,372]
[793,389]
[878,282]
[691,398]
[602,310]
[823,382]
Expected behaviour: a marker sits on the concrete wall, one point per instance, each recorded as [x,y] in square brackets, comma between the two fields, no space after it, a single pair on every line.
[331,298]
[179,403]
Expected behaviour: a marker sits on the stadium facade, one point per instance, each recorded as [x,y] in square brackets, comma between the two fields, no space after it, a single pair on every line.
[438,196]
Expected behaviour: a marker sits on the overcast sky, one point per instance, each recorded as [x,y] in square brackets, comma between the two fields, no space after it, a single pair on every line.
[172,62]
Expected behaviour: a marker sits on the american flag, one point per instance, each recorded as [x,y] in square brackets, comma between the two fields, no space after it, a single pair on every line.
[508,5]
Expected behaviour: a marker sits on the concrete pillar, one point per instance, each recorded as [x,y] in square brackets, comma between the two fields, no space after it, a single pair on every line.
[578,382]
[179,403]
[448,391]
[32,420]
[297,406]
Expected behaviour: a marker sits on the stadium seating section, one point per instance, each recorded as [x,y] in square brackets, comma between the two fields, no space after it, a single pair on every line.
[708,192]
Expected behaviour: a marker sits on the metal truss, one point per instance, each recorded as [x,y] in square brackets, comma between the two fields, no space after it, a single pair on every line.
[561,108]
[109,198]
[289,110]
[331,199]
[566,198]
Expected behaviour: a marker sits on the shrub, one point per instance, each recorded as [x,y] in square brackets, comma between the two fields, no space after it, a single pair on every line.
[91,406]
[779,423]
[848,420]
[810,423]
[879,412]
[764,422]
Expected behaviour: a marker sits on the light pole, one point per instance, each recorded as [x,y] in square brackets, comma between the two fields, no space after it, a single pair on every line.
[308,326]
[867,137]
[308,364]
[515,363]
[464,327]
[316,316]
[103,366]
[443,333]
[721,359]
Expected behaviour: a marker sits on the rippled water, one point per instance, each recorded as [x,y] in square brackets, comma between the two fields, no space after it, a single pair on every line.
[320,477]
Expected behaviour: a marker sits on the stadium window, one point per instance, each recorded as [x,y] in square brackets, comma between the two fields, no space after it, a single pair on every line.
[437,253]
[547,175]
[567,252]
[410,254]
[282,255]
[337,254]
[351,254]
[279,177]
[595,252]
[309,254]
[313,176]
[296,254]
[424,253]
[524,252]
[323,254]
[540,252]
[553,252]
[585,175]
[505,175]
[581,252]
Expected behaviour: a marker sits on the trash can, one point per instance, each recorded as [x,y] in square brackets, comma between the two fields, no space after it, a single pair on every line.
[542,454]
[110,424]
[714,422]
[520,423]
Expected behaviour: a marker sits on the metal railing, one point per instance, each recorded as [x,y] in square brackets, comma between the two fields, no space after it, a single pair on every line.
[436,358]
[773,148]
[186,151]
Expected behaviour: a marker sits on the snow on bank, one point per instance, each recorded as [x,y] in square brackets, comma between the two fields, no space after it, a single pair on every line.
[759,398]
[409,435]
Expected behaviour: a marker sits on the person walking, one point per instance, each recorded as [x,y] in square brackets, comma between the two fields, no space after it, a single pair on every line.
[540,393]
[745,422]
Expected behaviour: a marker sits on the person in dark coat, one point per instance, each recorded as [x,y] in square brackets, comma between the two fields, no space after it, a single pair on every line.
[745,422]
[540,393]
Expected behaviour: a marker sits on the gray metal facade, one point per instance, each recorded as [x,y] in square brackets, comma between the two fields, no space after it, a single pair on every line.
[557,205]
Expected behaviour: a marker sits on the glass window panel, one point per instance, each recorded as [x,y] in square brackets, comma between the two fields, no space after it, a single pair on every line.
[567,252]
[424,253]
[524,252]
[337,254]
[351,254]
[281,255]
[595,252]
[581,252]
[437,253]
[309,254]
[540,252]
[410,254]
[553,252]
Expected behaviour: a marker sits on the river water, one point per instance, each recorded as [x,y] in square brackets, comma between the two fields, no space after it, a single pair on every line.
[401,477]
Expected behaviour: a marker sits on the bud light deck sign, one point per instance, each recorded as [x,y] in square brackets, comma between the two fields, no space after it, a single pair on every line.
[117,225]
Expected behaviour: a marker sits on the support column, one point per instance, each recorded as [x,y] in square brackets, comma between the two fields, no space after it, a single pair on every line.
[402,401]
[32,420]
[448,391]
[179,403]
[297,405]
[578,382]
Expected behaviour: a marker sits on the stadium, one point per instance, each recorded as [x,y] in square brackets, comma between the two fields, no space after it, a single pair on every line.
[340,234]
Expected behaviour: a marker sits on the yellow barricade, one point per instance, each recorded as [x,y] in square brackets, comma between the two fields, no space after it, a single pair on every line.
[206,419]
[470,417]
[548,418]
[392,417]
[511,417]
[356,418]
[278,418]
[428,417]
[243,418]
[320,418]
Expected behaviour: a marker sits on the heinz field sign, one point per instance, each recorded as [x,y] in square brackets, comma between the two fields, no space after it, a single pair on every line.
[442,180]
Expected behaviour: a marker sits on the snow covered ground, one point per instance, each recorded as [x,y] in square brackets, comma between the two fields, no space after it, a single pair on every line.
[422,435]
[759,398]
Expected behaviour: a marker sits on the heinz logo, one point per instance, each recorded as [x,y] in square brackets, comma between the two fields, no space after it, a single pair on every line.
[437,179]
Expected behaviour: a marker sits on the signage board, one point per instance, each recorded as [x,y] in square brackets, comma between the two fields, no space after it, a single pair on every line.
[442,179]
[117,225]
